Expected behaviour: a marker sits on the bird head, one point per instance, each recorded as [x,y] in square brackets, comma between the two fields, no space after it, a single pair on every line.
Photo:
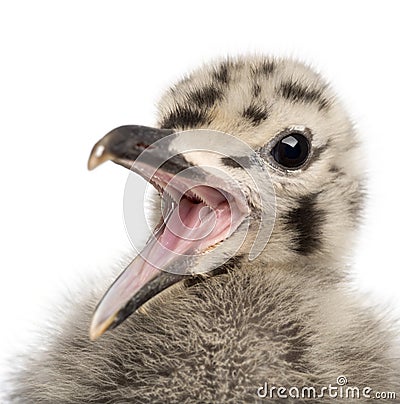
[254,159]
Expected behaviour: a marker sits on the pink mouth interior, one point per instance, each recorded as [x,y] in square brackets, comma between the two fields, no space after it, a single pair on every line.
[192,226]
[189,227]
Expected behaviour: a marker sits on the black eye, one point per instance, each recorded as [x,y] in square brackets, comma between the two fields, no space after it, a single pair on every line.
[291,151]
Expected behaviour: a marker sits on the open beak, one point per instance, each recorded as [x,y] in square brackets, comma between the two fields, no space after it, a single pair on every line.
[197,217]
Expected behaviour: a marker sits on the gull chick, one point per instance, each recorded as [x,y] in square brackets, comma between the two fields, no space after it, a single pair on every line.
[196,319]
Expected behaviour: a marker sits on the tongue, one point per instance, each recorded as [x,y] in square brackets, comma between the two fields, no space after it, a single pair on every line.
[189,229]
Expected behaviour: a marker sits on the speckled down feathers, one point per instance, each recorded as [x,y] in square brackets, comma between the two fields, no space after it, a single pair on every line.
[218,341]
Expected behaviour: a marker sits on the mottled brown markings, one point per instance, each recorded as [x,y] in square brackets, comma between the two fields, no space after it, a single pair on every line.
[237,161]
[258,72]
[184,117]
[205,97]
[195,109]
[255,113]
[266,68]
[296,92]
[222,73]
[305,223]
[317,151]
[337,171]
[256,89]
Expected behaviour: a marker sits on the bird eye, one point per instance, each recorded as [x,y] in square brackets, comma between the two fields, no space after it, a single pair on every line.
[291,151]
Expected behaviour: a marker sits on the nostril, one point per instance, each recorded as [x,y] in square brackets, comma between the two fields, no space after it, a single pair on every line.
[142,145]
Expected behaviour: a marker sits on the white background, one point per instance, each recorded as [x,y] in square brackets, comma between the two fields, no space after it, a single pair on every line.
[71,71]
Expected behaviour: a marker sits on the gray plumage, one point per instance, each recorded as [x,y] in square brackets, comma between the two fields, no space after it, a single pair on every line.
[288,318]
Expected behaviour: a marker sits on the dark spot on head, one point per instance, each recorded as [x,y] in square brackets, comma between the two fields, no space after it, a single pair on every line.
[305,222]
[265,68]
[336,171]
[184,117]
[256,89]
[222,73]
[205,97]
[258,71]
[317,151]
[323,104]
[255,113]
[236,161]
[295,92]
